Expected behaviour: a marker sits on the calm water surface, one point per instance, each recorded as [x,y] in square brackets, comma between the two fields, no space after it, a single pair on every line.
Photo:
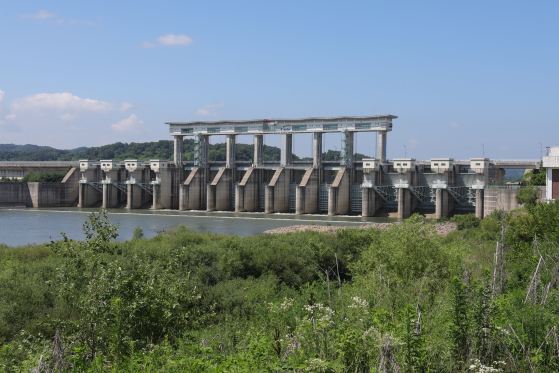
[32,225]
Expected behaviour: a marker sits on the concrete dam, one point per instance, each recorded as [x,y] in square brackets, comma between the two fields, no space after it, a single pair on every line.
[336,188]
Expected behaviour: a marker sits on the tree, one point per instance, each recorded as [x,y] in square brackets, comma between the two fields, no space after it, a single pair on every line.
[138,233]
[134,299]
[528,195]
[535,177]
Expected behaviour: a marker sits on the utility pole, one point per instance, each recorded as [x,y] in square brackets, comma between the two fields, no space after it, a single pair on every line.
[483,146]
[405,152]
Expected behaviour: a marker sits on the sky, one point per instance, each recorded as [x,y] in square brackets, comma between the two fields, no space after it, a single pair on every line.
[465,78]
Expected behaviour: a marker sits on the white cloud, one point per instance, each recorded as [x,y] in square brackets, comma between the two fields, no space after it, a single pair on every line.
[454,124]
[169,40]
[67,116]
[41,14]
[132,124]
[414,141]
[505,147]
[2,94]
[125,106]
[210,109]
[65,104]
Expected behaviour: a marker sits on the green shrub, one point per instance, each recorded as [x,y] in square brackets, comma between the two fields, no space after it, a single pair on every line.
[44,177]
[535,177]
[138,233]
[465,221]
[528,196]
[491,225]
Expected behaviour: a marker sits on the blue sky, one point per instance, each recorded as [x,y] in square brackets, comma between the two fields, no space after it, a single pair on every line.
[457,74]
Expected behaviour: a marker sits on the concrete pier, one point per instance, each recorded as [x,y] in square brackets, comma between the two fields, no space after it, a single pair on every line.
[286,149]
[247,193]
[406,203]
[444,203]
[370,202]
[339,194]
[193,191]
[163,184]
[230,151]
[219,191]
[277,192]
[306,195]
[88,195]
[137,184]
[317,150]
[89,187]
[382,146]
[479,203]
[178,155]
[258,150]
[114,190]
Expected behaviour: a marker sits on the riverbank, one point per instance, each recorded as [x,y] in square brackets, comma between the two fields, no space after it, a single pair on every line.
[441,228]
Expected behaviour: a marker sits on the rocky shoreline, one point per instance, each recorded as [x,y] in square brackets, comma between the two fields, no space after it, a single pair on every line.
[441,228]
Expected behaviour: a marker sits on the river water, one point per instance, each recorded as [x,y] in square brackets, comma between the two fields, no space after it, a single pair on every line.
[41,225]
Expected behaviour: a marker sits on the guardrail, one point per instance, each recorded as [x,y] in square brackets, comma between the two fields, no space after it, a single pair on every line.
[511,187]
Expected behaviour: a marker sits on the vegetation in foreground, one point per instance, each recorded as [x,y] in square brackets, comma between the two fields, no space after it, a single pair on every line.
[482,299]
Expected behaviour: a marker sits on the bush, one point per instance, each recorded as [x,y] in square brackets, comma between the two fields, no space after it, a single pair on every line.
[528,196]
[535,177]
[138,233]
[490,225]
[465,221]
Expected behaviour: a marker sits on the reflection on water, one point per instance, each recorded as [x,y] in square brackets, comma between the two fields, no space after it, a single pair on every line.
[32,225]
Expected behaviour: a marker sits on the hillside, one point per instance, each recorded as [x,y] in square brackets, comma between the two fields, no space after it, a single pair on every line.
[162,149]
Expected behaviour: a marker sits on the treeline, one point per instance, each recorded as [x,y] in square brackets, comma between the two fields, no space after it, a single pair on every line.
[162,149]
[44,177]
[482,299]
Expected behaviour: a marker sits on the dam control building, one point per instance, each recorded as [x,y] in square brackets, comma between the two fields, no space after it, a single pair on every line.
[340,187]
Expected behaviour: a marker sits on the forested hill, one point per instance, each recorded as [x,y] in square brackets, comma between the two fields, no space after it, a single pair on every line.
[162,149]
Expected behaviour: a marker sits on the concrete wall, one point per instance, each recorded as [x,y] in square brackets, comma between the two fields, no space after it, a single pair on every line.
[19,169]
[14,193]
[502,199]
[64,194]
